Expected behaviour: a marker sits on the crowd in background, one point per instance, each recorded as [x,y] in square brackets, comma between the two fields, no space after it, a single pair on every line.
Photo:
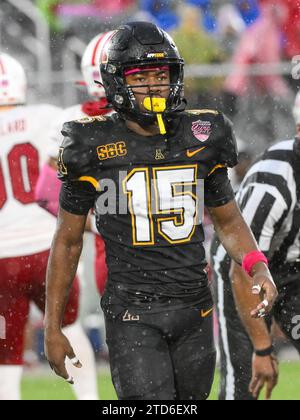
[208,32]
[225,21]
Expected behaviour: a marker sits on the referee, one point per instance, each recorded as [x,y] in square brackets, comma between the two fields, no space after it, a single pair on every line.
[269,198]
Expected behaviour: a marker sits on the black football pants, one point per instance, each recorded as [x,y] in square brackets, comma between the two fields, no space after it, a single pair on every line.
[161,356]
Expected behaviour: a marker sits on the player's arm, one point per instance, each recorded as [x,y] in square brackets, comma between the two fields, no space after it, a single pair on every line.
[76,200]
[265,207]
[63,262]
[240,243]
[264,364]
[237,237]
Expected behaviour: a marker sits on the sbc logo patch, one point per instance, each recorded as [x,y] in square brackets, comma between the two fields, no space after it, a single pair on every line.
[111,151]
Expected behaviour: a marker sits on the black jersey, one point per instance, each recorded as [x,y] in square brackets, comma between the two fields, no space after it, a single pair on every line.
[156,246]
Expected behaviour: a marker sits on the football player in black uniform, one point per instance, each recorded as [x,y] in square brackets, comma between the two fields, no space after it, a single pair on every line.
[157,304]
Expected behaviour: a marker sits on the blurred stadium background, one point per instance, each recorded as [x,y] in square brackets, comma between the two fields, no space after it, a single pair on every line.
[254,83]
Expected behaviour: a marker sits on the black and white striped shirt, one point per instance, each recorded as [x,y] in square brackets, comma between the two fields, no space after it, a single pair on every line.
[269,198]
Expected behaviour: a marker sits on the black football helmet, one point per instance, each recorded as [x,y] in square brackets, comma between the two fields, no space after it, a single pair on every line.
[141,44]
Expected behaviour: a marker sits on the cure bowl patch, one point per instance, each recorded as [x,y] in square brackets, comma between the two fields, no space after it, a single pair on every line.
[202,130]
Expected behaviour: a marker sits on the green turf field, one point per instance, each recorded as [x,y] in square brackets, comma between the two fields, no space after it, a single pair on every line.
[52,389]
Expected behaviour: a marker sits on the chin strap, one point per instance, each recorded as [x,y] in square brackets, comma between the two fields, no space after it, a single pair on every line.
[157,105]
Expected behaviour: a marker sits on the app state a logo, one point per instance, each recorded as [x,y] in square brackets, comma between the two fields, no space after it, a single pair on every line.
[159,155]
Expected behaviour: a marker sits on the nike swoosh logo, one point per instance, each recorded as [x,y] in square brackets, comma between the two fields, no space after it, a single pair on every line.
[205,314]
[194,152]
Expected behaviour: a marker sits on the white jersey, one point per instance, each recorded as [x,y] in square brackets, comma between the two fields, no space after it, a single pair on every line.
[26,228]
[69,114]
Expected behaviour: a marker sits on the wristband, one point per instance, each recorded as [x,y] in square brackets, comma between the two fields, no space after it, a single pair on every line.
[251,259]
[264,353]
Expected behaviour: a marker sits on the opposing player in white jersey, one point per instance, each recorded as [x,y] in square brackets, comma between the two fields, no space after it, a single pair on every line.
[26,229]
[48,187]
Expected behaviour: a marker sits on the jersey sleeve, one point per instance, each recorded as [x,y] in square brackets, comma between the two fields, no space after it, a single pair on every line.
[74,158]
[217,189]
[76,171]
[77,197]
[225,143]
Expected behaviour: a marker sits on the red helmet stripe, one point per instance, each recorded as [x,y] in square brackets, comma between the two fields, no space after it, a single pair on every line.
[104,53]
[96,49]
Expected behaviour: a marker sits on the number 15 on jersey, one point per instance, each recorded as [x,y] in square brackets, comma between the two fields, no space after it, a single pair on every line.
[170,197]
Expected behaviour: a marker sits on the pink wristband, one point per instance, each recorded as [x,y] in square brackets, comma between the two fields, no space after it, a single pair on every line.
[253,258]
